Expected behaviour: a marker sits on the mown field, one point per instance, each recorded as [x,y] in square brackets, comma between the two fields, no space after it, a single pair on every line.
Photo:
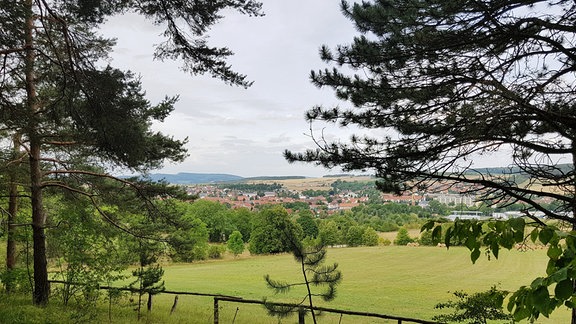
[401,281]
[323,183]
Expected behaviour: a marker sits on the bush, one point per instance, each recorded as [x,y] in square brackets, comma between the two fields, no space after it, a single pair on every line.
[402,238]
[17,278]
[235,243]
[388,226]
[477,308]
[370,237]
[384,241]
[216,251]
[354,235]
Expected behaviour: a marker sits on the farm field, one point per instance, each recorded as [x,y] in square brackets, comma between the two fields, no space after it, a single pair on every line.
[399,281]
[323,183]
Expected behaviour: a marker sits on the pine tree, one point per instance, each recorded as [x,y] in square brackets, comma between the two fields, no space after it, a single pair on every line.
[71,115]
[437,85]
[315,274]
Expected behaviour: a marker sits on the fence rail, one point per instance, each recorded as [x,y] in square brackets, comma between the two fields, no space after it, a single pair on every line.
[322,309]
[235,299]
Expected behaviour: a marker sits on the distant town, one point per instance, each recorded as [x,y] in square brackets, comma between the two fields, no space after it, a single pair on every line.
[330,195]
[338,195]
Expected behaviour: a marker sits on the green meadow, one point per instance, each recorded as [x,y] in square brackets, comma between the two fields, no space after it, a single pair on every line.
[393,280]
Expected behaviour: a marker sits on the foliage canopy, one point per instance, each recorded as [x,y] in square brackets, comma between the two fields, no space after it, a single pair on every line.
[446,82]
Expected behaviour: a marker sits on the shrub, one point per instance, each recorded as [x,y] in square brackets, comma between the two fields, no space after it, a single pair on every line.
[235,243]
[477,308]
[216,251]
[370,237]
[17,279]
[402,238]
[329,233]
[384,241]
[354,235]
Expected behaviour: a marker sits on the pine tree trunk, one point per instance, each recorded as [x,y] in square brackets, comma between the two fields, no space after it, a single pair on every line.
[309,292]
[41,286]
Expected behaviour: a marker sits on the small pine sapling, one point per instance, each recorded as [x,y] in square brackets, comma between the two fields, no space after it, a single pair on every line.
[147,275]
[314,274]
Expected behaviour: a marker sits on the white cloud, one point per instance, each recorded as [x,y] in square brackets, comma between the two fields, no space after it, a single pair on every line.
[235,130]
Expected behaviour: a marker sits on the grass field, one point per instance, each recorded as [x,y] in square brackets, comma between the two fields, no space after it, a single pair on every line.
[400,281]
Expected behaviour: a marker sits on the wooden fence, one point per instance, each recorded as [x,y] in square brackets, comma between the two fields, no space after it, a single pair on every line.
[233,299]
[322,309]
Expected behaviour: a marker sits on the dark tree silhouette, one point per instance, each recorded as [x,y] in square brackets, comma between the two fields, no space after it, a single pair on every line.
[69,114]
[438,84]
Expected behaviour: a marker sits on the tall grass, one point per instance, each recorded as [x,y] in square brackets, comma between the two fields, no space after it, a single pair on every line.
[401,281]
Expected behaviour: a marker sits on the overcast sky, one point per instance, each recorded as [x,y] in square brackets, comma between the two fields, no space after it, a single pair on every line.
[235,130]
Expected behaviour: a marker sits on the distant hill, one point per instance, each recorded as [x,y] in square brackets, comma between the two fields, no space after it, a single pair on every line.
[558,168]
[275,178]
[184,178]
[195,178]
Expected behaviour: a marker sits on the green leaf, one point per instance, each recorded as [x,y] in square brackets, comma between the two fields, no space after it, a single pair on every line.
[571,242]
[546,235]
[534,235]
[519,236]
[536,283]
[521,313]
[559,275]
[427,226]
[475,255]
[551,267]
[507,240]
[500,226]
[517,224]
[471,243]
[437,234]
[495,248]
[511,303]
[541,300]
[564,289]
[554,252]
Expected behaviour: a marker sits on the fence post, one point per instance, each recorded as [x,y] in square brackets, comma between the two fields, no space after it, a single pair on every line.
[174,305]
[215,310]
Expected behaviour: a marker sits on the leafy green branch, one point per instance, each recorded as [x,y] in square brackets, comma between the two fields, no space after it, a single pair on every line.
[544,294]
